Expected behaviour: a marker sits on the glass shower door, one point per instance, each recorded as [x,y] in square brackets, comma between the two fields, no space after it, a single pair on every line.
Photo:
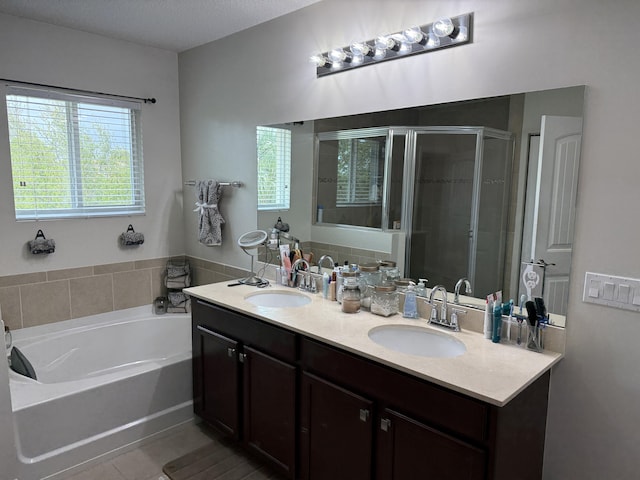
[460,207]
[442,206]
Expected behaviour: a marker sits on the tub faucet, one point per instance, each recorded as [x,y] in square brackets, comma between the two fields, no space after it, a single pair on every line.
[322,259]
[433,318]
[467,286]
[7,337]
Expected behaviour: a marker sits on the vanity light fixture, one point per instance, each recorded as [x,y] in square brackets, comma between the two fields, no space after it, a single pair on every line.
[442,33]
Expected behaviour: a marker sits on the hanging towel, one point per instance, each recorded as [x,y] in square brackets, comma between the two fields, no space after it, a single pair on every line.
[210,225]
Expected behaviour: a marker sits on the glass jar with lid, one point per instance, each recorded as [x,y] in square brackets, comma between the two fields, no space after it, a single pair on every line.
[402,284]
[384,300]
[370,276]
[389,271]
[350,292]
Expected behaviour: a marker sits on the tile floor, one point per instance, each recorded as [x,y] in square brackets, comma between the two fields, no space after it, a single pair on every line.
[146,461]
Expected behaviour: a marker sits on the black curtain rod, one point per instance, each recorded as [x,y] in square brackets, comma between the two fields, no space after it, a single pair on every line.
[145,100]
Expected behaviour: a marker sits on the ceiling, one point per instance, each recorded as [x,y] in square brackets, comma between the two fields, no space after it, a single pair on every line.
[175,25]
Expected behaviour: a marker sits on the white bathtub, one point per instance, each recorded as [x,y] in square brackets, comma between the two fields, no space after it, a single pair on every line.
[104,382]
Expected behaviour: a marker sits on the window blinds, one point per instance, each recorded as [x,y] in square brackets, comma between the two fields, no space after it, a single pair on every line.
[74,155]
[359,180]
[274,168]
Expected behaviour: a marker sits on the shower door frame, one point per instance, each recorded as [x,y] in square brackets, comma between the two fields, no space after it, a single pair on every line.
[409,179]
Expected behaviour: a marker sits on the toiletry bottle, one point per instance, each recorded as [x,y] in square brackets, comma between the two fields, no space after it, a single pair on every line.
[339,281]
[488,317]
[497,322]
[325,285]
[410,309]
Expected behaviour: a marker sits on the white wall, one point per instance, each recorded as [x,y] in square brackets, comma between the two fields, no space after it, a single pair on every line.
[41,53]
[262,76]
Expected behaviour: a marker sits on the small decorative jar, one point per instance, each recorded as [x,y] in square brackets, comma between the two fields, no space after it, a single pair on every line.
[384,300]
[350,292]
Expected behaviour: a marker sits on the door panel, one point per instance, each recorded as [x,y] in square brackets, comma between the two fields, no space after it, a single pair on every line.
[554,205]
[336,432]
[409,450]
[219,377]
[270,406]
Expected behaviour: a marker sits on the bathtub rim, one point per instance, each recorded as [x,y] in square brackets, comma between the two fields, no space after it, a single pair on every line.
[26,392]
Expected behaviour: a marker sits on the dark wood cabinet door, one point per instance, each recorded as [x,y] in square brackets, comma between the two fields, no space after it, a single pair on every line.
[336,434]
[270,408]
[409,450]
[217,373]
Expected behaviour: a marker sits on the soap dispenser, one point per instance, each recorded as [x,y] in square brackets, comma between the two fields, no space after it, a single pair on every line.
[410,309]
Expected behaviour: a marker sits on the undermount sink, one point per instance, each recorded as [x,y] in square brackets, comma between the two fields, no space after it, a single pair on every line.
[417,341]
[278,299]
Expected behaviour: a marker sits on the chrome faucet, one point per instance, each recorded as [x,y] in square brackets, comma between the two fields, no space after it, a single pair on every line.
[306,274]
[467,286]
[322,259]
[433,318]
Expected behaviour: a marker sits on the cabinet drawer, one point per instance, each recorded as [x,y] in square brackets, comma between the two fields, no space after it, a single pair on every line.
[430,403]
[250,331]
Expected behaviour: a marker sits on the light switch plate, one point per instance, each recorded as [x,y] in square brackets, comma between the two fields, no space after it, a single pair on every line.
[612,291]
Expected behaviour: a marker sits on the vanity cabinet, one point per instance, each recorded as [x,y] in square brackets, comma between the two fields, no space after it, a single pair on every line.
[244,381]
[319,412]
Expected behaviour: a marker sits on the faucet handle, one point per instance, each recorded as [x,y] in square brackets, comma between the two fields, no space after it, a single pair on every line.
[454,318]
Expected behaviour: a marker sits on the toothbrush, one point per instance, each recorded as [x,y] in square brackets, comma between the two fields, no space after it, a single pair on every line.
[510,320]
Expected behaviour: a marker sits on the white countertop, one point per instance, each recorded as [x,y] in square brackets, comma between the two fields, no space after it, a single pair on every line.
[494,373]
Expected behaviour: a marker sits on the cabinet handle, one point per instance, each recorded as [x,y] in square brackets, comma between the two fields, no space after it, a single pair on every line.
[364,414]
[385,424]
[242,357]
[231,352]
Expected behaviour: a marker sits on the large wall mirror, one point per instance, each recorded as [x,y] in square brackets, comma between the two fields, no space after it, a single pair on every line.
[483,189]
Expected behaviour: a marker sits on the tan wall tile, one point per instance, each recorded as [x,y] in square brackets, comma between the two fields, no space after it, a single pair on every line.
[157,282]
[10,304]
[67,273]
[200,276]
[45,303]
[113,268]
[22,279]
[152,263]
[132,289]
[91,295]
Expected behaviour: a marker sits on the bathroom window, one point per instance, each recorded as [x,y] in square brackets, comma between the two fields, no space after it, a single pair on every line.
[274,168]
[360,171]
[74,155]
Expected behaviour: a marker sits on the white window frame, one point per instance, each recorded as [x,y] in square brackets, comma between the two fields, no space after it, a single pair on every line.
[77,207]
[280,176]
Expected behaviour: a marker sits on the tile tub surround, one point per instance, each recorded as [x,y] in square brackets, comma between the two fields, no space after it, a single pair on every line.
[338,253]
[494,373]
[38,298]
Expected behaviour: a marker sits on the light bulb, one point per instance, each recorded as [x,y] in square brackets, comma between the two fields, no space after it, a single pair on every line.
[405,48]
[360,48]
[443,27]
[433,41]
[380,53]
[413,35]
[319,60]
[337,55]
[384,42]
[357,59]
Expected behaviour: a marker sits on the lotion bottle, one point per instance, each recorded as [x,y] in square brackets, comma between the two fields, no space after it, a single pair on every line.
[410,309]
